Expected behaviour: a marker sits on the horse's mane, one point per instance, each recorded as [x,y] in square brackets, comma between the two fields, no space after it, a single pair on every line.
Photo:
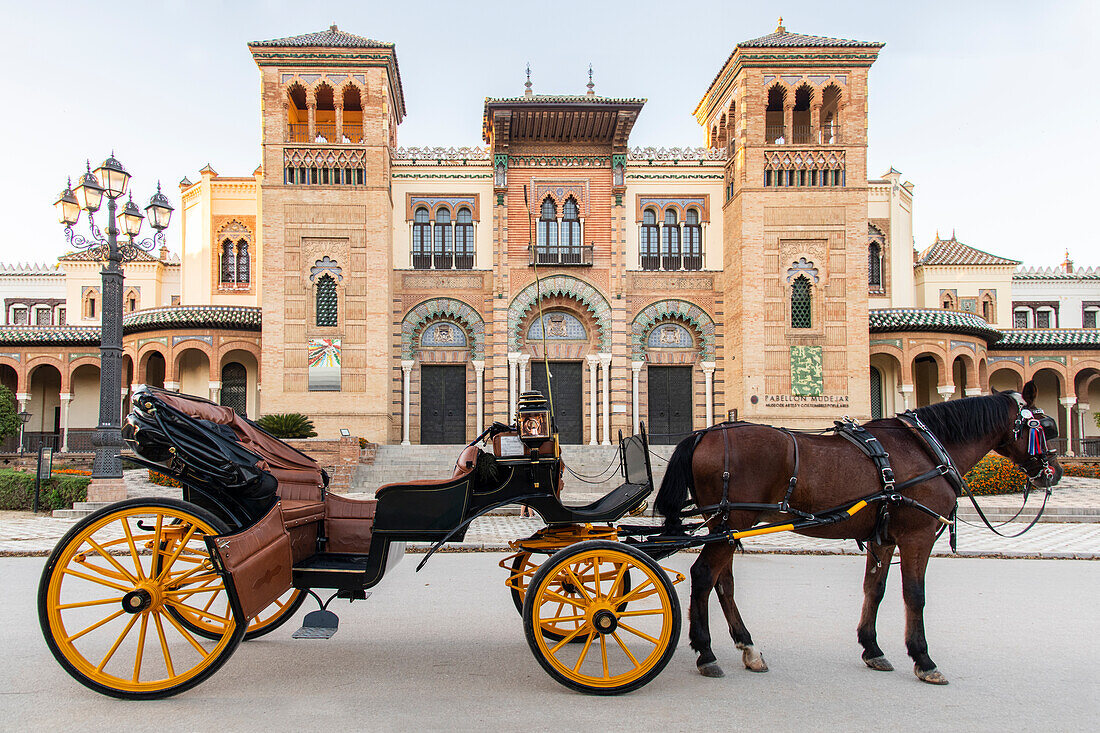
[958,421]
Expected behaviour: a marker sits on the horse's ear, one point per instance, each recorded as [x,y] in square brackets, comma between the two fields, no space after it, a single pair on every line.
[1030,392]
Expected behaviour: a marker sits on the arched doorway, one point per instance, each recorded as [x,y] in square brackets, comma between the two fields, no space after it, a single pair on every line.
[83,414]
[234,392]
[44,406]
[193,372]
[567,340]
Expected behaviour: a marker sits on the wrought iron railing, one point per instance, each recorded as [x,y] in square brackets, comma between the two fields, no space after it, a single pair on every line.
[773,134]
[324,132]
[672,262]
[562,255]
[802,135]
[447,261]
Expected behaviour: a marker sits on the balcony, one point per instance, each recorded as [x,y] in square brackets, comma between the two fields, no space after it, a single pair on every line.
[448,261]
[672,263]
[324,133]
[561,256]
[802,135]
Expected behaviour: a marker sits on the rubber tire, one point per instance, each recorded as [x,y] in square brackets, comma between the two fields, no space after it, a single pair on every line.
[640,558]
[43,598]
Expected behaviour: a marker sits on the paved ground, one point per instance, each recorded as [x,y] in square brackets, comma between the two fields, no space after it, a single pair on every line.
[443,650]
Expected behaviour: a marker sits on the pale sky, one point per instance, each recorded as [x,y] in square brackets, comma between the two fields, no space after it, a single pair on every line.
[988,107]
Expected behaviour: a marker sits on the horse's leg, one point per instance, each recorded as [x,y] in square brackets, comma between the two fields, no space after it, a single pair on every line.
[914,561]
[874,586]
[702,582]
[750,657]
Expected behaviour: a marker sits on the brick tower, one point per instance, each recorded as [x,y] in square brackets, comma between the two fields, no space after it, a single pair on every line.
[331,103]
[792,110]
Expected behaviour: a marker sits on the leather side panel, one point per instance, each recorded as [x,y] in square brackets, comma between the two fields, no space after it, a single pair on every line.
[348,524]
[259,561]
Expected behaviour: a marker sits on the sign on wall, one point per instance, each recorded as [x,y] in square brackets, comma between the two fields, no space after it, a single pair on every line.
[324,365]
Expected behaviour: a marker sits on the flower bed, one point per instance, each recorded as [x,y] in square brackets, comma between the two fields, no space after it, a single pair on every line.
[161,480]
[994,475]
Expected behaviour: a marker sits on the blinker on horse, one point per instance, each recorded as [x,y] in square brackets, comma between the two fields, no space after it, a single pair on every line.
[741,474]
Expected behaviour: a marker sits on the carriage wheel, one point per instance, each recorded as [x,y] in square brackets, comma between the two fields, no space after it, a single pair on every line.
[522,571]
[114,588]
[627,635]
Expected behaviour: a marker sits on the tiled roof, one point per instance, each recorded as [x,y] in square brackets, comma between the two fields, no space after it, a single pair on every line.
[953,252]
[1049,338]
[237,317]
[885,320]
[563,99]
[782,39]
[1056,273]
[332,37]
[52,335]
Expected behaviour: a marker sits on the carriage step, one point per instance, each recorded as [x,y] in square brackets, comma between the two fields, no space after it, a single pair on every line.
[317,625]
[338,570]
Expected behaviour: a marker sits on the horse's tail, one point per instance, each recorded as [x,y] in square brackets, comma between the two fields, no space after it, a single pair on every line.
[678,485]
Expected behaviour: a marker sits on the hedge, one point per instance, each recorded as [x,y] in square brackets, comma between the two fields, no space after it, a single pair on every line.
[17,491]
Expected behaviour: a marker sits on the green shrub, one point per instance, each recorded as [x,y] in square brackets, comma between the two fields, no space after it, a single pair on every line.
[288,425]
[17,491]
[994,475]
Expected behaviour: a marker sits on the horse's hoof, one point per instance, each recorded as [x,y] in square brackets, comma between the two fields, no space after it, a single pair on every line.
[753,661]
[711,669]
[931,676]
[879,664]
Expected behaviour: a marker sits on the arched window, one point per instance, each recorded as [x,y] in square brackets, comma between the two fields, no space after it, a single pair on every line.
[297,114]
[693,241]
[234,391]
[244,263]
[800,115]
[353,115]
[948,301]
[801,303]
[228,268]
[547,245]
[670,241]
[444,240]
[570,233]
[830,115]
[874,266]
[651,232]
[326,301]
[988,309]
[132,301]
[324,117]
[774,134]
[464,240]
[422,240]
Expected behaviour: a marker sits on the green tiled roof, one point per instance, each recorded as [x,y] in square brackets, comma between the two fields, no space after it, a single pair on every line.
[782,39]
[1049,338]
[230,317]
[930,319]
[236,317]
[333,37]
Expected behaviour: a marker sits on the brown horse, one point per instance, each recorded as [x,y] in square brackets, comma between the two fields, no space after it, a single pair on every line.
[832,473]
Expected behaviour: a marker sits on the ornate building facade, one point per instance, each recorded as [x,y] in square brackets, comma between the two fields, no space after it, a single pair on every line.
[762,275]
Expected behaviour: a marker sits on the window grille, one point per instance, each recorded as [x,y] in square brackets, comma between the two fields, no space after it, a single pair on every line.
[670,241]
[876,394]
[244,263]
[693,241]
[464,240]
[651,258]
[326,301]
[548,230]
[1019,319]
[422,238]
[234,392]
[1042,319]
[444,243]
[1088,318]
[801,306]
[228,263]
[874,266]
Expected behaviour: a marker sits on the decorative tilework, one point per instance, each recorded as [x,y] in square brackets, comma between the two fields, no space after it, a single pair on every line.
[680,203]
[324,365]
[669,336]
[443,334]
[964,345]
[807,374]
[664,310]
[1017,359]
[442,308]
[569,287]
[561,327]
[1036,359]
[205,339]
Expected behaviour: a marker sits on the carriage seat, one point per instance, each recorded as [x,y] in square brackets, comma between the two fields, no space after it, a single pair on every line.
[467,459]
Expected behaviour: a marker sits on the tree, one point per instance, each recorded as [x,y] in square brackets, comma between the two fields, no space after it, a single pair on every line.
[9,414]
[288,425]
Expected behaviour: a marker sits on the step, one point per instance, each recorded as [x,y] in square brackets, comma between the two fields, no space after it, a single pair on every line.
[337,570]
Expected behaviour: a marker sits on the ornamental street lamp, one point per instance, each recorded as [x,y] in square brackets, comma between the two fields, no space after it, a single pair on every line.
[23,416]
[110,179]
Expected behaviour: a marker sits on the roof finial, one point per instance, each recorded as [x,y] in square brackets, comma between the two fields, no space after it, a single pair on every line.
[333,28]
[1067,264]
[779,26]
[591,86]
[952,234]
[527,85]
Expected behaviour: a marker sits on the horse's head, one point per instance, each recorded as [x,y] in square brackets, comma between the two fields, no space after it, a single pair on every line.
[1027,443]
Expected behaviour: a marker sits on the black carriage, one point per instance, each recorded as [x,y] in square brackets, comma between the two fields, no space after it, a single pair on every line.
[148,597]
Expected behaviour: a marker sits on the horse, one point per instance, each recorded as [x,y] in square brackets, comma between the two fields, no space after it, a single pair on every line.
[834,472]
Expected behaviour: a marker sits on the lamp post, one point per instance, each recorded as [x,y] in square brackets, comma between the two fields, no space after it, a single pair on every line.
[110,179]
[24,417]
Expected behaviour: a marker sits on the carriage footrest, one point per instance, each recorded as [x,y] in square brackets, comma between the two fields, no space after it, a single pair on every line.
[337,570]
[317,625]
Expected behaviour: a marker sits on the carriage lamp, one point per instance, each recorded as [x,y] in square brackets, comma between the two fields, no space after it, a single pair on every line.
[68,208]
[533,418]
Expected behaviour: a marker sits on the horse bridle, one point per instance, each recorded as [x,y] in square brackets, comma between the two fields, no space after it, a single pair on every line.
[1039,428]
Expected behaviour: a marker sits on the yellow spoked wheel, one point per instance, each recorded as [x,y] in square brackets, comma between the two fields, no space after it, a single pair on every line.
[115,588]
[523,569]
[627,635]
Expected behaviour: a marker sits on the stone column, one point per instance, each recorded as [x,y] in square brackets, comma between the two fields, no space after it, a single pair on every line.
[339,106]
[972,391]
[513,364]
[708,376]
[406,388]
[524,362]
[479,386]
[1082,410]
[311,115]
[815,123]
[66,397]
[1067,404]
[906,395]
[215,391]
[946,391]
[605,369]
[635,368]
[788,121]
[172,386]
[593,360]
